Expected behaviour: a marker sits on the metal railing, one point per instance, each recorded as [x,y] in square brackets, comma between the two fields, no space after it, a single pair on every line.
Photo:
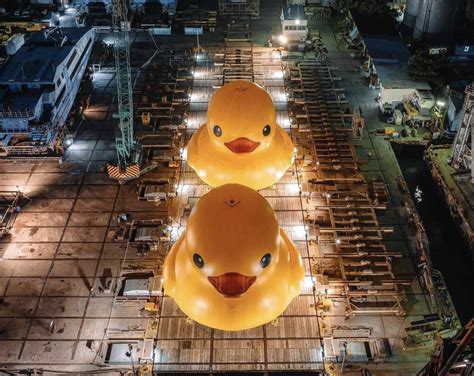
[17,114]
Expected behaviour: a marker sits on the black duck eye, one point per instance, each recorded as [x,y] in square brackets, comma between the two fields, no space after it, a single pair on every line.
[266,130]
[198,261]
[217,131]
[265,261]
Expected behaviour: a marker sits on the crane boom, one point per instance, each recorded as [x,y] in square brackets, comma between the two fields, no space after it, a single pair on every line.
[124,140]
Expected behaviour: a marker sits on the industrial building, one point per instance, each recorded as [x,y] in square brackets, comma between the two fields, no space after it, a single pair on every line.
[434,20]
[92,200]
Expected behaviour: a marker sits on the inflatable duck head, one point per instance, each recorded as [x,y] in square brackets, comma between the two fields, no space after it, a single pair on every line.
[233,268]
[253,107]
[241,142]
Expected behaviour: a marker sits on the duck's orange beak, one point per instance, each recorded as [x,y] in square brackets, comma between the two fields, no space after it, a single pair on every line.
[232,285]
[242,145]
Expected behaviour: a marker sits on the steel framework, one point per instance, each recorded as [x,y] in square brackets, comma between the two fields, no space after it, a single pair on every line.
[9,207]
[249,8]
[462,152]
[124,140]
[449,352]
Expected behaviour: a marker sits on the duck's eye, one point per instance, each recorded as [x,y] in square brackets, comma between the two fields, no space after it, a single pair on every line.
[266,130]
[265,261]
[198,261]
[217,131]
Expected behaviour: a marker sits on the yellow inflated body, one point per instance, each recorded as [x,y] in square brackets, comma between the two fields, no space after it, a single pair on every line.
[232,230]
[244,151]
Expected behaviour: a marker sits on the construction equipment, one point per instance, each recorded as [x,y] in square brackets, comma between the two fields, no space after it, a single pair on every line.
[12,27]
[410,109]
[128,153]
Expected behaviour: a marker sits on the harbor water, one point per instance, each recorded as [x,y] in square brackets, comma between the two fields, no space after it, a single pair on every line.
[450,253]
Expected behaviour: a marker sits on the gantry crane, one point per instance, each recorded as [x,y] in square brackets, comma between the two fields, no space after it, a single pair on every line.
[128,154]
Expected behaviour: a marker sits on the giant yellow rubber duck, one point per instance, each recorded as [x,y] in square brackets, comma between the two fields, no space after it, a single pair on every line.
[233,268]
[241,141]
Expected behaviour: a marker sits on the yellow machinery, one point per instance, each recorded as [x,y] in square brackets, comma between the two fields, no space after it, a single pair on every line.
[8,28]
[410,109]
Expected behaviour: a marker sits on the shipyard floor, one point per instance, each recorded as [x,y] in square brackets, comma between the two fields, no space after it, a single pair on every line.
[63,266]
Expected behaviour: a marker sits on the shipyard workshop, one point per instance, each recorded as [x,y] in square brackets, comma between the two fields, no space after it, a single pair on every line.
[237,187]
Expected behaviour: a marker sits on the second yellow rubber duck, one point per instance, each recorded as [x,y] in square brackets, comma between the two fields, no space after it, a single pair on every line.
[233,268]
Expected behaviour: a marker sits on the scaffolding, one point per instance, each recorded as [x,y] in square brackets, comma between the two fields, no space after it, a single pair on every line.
[241,8]
[449,353]
[462,151]
[351,259]
[197,18]
[236,61]
[162,96]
